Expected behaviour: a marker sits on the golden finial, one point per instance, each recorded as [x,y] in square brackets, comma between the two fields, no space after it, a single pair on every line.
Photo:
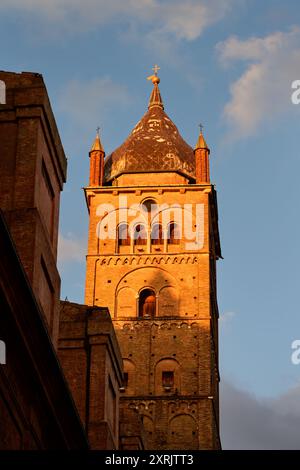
[154,78]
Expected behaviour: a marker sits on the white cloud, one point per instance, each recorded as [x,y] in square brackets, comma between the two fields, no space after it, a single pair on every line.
[71,249]
[253,48]
[251,423]
[227,317]
[263,91]
[185,20]
[88,102]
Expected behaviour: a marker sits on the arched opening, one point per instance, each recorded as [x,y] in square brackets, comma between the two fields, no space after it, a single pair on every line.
[123,235]
[174,234]
[140,235]
[147,303]
[149,205]
[157,234]
[149,209]
[183,432]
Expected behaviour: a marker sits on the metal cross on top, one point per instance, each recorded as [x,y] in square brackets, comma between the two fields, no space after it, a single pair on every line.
[98,129]
[201,127]
[155,69]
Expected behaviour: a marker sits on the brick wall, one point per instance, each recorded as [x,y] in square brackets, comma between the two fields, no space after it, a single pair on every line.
[91,360]
[33,170]
[36,407]
[182,338]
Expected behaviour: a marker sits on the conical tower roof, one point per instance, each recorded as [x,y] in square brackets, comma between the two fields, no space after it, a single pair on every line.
[201,143]
[97,145]
[154,145]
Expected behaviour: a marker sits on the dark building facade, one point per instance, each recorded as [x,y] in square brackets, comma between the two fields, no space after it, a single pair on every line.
[50,398]
[37,410]
[33,170]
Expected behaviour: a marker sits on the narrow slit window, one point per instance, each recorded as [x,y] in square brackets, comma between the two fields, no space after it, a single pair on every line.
[168,379]
[140,235]
[174,234]
[125,381]
[123,235]
[157,234]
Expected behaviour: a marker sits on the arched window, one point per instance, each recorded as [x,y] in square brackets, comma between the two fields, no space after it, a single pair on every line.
[149,209]
[156,234]
[123,235]
[149,205]
[140,235]
[174,234]
[147,303]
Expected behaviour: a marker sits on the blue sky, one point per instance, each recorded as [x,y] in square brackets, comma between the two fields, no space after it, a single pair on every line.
[228,64]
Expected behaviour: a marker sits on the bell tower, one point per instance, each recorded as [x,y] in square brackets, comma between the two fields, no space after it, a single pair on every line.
[152,252]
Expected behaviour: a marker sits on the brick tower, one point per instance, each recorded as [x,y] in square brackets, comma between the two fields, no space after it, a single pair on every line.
[152,251]
[33,170]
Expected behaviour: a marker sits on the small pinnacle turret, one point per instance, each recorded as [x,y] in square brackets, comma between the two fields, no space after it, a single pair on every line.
[202,152]
[97,155]
[201,143]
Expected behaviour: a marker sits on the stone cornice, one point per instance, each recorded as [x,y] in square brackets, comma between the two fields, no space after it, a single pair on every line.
[148,259]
